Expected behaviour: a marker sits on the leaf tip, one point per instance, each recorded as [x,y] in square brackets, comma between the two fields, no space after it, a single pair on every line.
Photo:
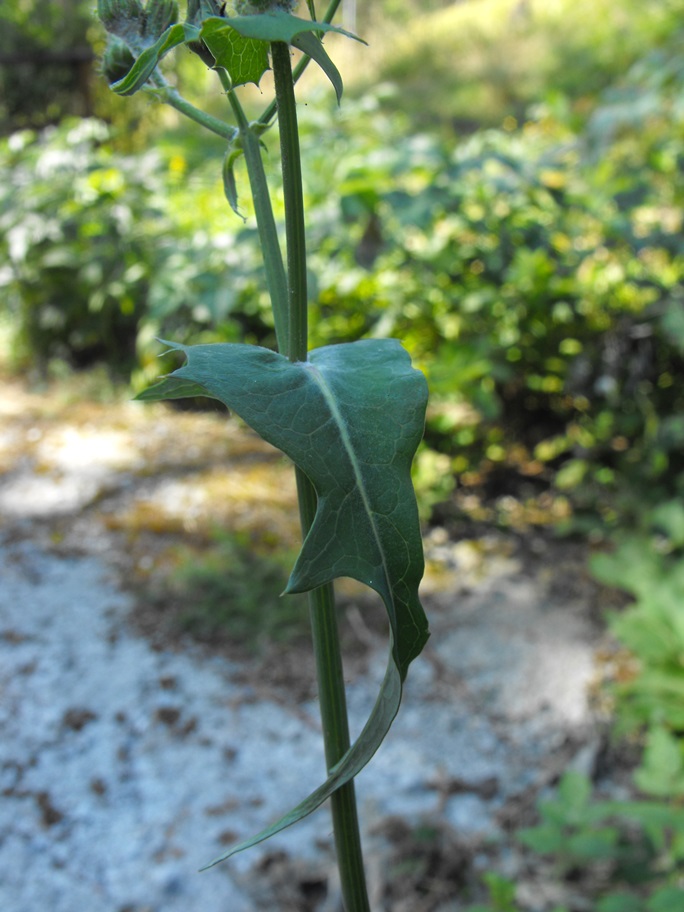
[171,346]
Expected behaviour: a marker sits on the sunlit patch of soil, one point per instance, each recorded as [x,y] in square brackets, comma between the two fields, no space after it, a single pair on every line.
[257,497]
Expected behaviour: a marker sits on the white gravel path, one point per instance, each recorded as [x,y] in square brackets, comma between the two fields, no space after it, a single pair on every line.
[124,768]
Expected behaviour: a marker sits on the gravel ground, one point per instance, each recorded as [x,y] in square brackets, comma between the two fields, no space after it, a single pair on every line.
[126,765]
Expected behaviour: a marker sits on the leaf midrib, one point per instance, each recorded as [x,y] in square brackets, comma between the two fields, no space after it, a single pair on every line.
[329,398]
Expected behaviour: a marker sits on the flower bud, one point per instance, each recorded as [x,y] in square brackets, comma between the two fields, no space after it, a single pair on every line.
[254,7]
[195,9]
[159,15]
[121,17]
[116,60]
[195,17]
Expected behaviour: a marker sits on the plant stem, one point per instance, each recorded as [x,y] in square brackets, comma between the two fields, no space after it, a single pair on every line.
[333,710]
[299,69]
[276,278]
[172,97]
[295,233]
[325,634]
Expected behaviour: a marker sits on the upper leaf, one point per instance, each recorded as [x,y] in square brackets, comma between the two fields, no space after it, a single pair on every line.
[244,59]
[311,45]
[280,26]
[239,44]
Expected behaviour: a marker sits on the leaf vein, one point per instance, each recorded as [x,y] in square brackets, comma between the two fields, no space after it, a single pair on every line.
[341,423]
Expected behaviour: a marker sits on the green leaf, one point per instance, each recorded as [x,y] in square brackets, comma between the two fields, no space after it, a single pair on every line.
[574,793]
[545,839]
[672,322]
[146,63]
[303,34]
[311,45]
[662,769]
[669,517]
[351,418]
[591,845]
[229,182]
[280,26]
[501,891]
[172,387]
[666,899]
[244,59]
[620,902]
[632,566]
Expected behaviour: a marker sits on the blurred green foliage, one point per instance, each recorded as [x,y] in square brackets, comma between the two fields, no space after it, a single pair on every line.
[476,63]
[627,854]
[80,229]
[534,273]
[46,62]
[647,561]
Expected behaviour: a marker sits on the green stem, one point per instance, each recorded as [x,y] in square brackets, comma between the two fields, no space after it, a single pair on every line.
[276,278]
[325,634]
[333,710]
[299,69]
[295,233]
[171,97]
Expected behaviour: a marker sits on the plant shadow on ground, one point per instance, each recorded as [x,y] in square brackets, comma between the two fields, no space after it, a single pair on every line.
[232,589]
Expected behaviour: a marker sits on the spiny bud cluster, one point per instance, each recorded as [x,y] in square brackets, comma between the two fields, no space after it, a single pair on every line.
[198,9]
[116,60]
[137,24]
[254,7]
[132,27]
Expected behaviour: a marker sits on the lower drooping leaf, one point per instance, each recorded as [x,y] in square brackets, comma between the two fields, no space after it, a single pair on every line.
[351,418]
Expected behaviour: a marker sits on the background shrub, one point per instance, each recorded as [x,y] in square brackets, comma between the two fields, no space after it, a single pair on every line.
[79,232]
[534,271]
